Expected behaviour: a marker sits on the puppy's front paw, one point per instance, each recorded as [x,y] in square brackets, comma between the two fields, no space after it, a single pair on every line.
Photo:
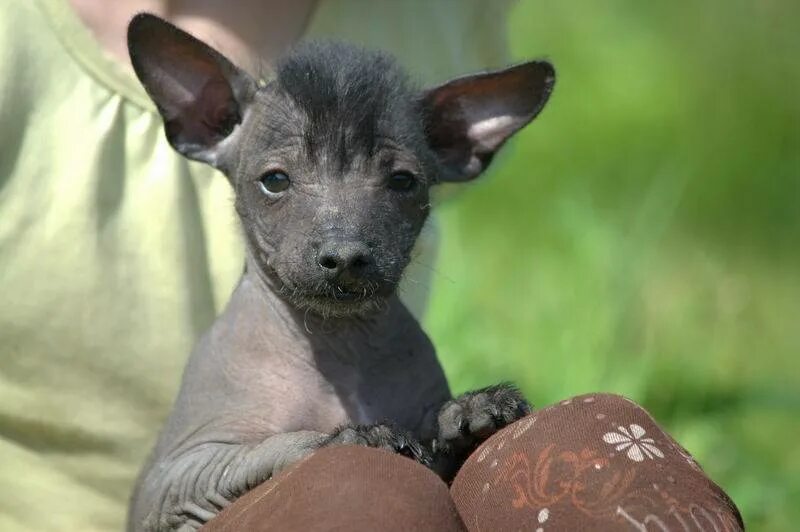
[382,437]
[467,420]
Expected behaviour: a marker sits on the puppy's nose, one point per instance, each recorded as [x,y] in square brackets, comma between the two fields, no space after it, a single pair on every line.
[337,258]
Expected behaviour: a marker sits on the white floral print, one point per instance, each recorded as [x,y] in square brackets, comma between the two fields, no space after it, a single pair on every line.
[632,440]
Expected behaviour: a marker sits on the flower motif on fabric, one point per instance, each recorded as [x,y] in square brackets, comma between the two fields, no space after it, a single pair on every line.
[632,439]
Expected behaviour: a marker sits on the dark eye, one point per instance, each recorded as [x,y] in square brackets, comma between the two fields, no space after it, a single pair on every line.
[402,181]
[273,183]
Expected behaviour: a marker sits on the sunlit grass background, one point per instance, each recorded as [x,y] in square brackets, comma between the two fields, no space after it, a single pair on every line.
[643,236]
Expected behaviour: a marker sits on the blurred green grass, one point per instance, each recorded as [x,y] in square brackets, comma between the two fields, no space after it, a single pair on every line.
[643,235]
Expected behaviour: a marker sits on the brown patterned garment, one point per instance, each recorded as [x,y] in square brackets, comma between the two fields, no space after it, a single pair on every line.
[595,462]
[345,489]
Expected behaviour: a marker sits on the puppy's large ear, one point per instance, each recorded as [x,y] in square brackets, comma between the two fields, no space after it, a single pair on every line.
[468,119]
[200,94]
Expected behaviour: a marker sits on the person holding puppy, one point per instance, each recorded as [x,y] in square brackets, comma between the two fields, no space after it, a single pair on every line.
[116,254]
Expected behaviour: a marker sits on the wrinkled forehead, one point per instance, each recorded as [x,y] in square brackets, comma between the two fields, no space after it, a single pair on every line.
[337,136]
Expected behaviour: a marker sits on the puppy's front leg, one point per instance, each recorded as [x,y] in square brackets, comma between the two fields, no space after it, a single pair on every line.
[183,491]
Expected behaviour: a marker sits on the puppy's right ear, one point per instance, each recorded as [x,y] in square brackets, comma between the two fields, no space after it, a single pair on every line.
[200,94]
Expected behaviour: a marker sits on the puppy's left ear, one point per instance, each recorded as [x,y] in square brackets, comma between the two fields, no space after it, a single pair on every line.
[468,119]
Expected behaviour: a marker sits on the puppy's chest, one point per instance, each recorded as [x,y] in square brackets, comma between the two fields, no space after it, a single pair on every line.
[336,392]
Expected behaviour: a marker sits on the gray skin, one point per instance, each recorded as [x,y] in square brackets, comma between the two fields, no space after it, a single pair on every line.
[331,162]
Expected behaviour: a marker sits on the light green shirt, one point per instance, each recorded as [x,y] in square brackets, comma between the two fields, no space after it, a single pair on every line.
[115,253]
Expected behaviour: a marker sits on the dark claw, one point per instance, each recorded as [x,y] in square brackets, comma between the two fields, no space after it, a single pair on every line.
[463,427]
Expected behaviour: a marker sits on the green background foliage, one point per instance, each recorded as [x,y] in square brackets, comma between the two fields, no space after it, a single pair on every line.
[643,235]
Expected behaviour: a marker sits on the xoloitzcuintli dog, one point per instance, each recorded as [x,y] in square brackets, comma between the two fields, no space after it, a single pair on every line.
[332,162]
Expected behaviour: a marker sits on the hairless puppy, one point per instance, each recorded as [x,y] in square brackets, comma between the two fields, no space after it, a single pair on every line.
[332,162]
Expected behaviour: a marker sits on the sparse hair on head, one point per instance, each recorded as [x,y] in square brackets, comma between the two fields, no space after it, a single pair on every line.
[346,92]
